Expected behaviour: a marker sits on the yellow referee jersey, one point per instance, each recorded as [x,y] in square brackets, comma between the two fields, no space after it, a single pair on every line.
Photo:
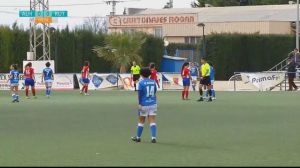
[205,70]
[135,70]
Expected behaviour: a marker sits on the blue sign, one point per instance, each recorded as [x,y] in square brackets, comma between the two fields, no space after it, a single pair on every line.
[43,13]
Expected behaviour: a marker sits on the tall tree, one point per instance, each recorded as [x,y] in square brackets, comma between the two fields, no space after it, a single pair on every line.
[121,49]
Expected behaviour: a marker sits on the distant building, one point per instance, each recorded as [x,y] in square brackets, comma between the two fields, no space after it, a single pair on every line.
[180,25]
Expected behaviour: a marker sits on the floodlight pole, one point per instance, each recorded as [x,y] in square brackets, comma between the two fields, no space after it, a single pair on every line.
[297,26]
[39,40]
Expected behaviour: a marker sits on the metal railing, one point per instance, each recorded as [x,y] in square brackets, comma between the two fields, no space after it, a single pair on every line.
[280,66]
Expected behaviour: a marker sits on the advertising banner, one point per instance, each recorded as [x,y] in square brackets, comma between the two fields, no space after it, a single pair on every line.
[61,82]
[263,81]
[128,83]
[100,81]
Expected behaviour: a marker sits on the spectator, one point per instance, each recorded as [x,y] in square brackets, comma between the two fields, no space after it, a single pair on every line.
[294,54]
[292,74]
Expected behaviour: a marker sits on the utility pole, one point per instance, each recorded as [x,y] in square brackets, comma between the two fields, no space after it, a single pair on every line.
[113,3]
[39,40]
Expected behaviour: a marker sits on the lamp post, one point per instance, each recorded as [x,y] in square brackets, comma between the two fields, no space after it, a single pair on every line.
[166,44]
[203,37]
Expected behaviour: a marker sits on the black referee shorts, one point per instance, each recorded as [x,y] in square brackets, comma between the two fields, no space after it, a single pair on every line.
[136,77]
[205,81]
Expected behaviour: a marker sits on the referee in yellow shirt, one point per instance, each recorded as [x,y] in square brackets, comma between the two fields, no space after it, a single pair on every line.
[135,72]
[205,79]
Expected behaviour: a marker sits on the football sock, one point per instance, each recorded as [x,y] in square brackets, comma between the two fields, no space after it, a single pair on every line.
[26,92]
[134,86]
[194,87]
[182,94]
[13,96]
[201,92]
[153,130]
[209,92]
[33,91]
[187,94]
[139,130]
[86,89]
[213,93]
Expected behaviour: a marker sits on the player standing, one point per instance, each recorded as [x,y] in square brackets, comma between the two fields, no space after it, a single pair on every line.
[14,82]
[48,77]
[154,74]
[85,78]
[147,105]
[205,79]
[135,72]
[212,80]
[29,79]
[194,75]
[186,80]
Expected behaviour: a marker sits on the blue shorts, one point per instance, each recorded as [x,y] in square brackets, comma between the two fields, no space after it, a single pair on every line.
[86,80]
[29,82]
[186,82]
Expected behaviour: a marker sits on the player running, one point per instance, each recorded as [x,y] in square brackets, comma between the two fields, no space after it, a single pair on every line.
[14,82]
[29,79]
[85,78]
[48,77]
[205,80]
[135,72]
[186,80]
[154,74]
[194,75]
[147,105]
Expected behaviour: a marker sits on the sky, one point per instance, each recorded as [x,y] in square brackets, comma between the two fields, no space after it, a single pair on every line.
[8,15]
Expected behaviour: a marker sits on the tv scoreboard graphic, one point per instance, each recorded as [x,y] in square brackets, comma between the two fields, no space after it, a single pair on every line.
[44,17]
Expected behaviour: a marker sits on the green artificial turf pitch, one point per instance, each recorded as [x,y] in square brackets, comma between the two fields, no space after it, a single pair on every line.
[238,129]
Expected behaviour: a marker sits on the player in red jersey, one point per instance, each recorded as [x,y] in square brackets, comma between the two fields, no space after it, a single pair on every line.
[29,79]
[186,80]
[154,73]
[85,78]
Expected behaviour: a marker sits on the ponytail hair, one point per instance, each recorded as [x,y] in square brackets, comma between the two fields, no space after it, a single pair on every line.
[184,65]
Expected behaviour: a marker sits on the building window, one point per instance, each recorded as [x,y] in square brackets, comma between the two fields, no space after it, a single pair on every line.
[192,40]
[158,32]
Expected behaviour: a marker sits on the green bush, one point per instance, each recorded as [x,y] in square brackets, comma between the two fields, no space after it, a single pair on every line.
[246,53]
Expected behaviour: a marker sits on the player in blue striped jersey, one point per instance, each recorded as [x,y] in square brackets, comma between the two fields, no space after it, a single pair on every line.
[147,105]
[14,82]
[48,78]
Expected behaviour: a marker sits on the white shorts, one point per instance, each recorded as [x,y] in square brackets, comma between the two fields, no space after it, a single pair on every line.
[48,83]
[194,78]
[14,84]
[212,82]
[148,111]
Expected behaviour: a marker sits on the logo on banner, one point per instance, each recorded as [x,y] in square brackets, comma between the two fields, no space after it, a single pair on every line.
[112,79]
[176,81]
[97,81]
